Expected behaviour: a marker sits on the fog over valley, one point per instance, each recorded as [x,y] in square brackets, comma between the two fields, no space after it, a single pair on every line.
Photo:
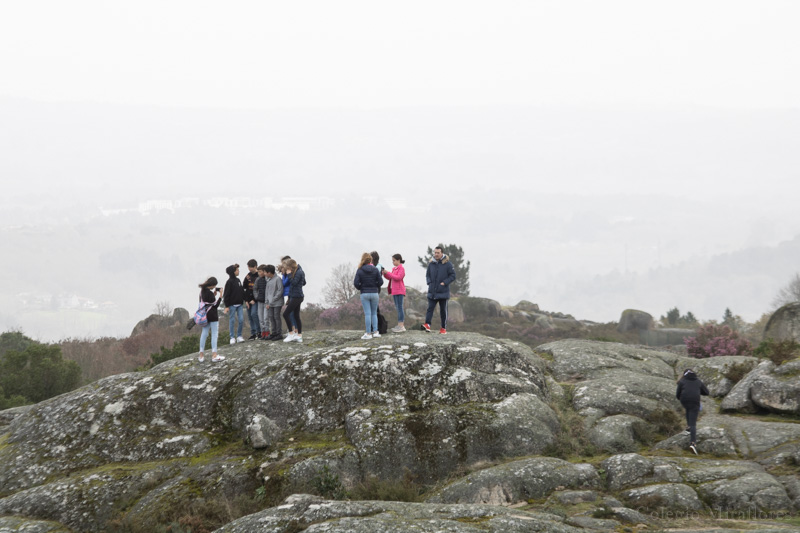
[110,209]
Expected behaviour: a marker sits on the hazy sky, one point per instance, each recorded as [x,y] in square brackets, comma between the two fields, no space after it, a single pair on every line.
[269,54]
[624,134]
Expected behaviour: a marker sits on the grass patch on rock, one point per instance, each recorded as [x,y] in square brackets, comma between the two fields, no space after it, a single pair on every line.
[571,440]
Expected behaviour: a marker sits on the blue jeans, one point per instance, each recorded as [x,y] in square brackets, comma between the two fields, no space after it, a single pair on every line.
[369,300]
[213,327]
[252,314]
[398,303]
[236,311]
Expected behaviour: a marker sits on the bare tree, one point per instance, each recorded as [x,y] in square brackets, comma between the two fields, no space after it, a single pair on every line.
[788,294]
[339,286]
[163,308]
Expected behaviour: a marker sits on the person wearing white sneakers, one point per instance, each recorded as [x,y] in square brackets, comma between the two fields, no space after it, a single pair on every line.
[234,302]
[397,288]
[297,278]
[368,280]
[209,293]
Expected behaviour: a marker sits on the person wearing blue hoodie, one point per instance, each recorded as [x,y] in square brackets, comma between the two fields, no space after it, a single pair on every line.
[368,280]
[690,388]
[440,275]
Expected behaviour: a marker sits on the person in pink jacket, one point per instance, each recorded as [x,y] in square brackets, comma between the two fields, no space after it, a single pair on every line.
[397,288]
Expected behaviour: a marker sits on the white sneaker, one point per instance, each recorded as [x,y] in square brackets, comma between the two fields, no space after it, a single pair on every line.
[240,339]
[298,338]
[366,337]
[200,357]
[289,338]
[233,341]
[375,334]
[398,329]
[217,358]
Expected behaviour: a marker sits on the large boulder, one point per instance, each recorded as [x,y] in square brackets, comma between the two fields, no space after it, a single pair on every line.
[479,308]
[767,388]
[304,512]
[617,433]
[634,320]
[577,360]
[784,324]
[178,318]
[431,405]
[519,481]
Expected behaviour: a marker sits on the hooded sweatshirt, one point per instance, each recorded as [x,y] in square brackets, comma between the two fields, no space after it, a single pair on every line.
[690,388]
[234,292]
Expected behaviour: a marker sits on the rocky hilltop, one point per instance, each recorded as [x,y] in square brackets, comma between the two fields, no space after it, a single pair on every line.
[485,435]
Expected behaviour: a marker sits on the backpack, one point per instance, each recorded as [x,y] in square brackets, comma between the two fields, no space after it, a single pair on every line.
[383,326]
[200,316]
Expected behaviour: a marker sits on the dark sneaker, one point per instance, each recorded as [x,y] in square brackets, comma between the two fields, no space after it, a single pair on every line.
[693,447]
[688,431]
[426,327]
[252,337]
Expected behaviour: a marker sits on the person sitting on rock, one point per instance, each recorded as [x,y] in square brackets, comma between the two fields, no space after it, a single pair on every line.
[690,388]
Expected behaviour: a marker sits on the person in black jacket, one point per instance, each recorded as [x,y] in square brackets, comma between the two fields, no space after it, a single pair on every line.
[250,301]
[234,302]
[439,276]
[368,280]
[690,388]
[210,294]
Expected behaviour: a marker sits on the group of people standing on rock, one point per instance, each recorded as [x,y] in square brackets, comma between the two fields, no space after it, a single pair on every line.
[439,274]
[267,288]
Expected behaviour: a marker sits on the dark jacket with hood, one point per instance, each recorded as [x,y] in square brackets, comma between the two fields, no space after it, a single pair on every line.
[439,272]
[207,296]
[690,388]
[296,280]
[261,290]
[249,283]
[368,279]
[234,292]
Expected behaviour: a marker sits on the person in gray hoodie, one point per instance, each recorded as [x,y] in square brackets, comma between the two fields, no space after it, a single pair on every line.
[274,299]
[260,293]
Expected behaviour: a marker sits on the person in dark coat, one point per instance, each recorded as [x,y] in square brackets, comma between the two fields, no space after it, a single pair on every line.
[690,388]
[440,275]
[368,280]
[234,302]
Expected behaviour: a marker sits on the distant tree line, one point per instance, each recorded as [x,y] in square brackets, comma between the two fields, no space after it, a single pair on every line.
[31,371]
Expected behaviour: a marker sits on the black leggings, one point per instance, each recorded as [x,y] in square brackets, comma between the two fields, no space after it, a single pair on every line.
[292,314]
[692,410]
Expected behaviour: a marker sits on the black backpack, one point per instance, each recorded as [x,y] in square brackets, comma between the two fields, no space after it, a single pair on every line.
[383,326]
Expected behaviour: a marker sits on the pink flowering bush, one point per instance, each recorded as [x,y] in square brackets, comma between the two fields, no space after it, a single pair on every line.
[713,340]
[352,313]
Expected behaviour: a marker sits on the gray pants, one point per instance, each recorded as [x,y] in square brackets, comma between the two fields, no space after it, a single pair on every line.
[262,317]
[274,314]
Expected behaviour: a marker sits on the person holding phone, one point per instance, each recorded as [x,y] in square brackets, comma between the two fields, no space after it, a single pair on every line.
[210,294]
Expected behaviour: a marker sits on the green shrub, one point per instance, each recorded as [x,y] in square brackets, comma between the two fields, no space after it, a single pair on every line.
[36,373]
[185,346]
[328,485]
[571,439]
[398,490]
[736,371]
[778,351]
